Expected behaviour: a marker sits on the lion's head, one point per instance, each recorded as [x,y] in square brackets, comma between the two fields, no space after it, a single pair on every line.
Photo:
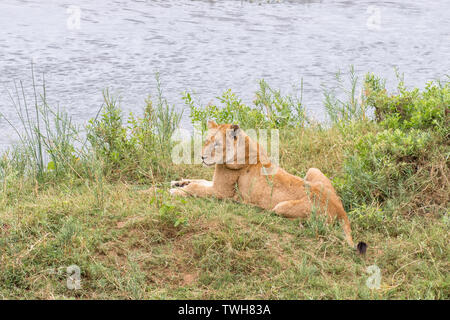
[228,144]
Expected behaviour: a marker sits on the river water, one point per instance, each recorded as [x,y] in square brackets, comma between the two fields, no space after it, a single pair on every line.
[207,47]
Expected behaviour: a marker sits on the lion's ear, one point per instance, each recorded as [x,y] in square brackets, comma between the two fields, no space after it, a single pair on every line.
[234,130]
[212,124]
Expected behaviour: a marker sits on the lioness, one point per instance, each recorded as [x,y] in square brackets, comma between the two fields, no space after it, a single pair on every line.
[250,177]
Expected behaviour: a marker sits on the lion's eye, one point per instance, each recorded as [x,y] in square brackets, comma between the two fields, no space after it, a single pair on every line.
[216,144]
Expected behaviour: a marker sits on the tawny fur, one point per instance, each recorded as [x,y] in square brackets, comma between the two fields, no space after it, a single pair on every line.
[242,179]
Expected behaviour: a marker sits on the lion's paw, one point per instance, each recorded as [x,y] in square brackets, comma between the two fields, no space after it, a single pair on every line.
[180,184]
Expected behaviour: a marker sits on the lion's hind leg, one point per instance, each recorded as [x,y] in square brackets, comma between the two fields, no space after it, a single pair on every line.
[293,208]
[315,175]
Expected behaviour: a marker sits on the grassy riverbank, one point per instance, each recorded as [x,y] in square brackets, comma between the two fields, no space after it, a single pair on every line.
[94,204]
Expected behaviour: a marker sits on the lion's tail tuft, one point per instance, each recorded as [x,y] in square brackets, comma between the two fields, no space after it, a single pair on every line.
[361,247]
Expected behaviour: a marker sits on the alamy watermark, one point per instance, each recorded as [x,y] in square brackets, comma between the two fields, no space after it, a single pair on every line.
[373,21]
[374,280]
[73,21]
[73,276]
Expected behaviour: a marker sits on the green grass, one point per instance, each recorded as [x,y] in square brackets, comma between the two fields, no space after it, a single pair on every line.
[131,249]
[104,206]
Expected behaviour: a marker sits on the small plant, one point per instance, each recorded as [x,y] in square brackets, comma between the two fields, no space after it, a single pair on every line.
[163,118]
[349,108]
[169,213]
[281,111]
[172,216]
[45,132]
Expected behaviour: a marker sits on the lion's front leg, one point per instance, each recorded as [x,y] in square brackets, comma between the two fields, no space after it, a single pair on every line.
[185,182]
[194,187]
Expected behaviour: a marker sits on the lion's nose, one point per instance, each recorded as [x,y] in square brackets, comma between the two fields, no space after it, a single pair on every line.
[203,157]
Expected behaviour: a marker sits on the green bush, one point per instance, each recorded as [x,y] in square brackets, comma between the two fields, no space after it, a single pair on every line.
[281,110]
[380,163]
[108,136]
[141,148]
[411,109]
[391,162]
[271,110]
[232,111]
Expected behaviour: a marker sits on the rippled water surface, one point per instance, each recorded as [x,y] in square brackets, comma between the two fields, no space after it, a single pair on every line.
[209,46]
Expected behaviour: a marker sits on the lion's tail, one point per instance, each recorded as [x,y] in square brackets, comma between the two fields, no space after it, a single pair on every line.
[361,247]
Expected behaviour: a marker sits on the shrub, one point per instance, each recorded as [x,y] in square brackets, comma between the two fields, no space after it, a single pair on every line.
[411,109]
[281,111]
[232,111]
[394,162]
[271,110]
[108,136]
[381,162]
[140,149]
